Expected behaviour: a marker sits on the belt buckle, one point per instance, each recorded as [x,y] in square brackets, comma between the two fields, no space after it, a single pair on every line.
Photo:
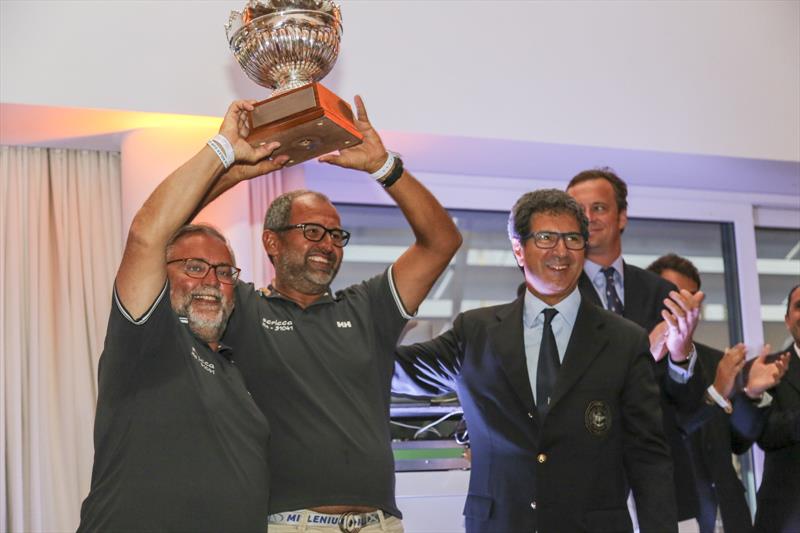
[352,526]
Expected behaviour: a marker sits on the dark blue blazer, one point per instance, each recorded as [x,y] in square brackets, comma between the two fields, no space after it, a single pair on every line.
[713,436]
[779,494]
[644,300]
[570,471]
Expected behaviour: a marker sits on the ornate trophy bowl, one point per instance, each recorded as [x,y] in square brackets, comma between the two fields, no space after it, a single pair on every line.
[289,46]
[285,45]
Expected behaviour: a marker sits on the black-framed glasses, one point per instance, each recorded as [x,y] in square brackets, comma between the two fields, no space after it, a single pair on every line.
[194,267]
[316,232]
[573,240]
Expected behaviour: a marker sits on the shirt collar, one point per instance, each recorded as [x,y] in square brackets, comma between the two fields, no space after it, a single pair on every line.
[225,351]
[271,292]
[222,349]
[592,269]
[567,308]
[796,349]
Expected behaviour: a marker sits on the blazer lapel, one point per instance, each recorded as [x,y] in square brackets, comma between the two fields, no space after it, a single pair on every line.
[585,343]
[635,305]
[588,292]
[508,346]
[793,372]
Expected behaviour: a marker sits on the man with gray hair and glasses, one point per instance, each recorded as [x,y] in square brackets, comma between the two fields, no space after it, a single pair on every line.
[179,443]
[319,363]
[558,394]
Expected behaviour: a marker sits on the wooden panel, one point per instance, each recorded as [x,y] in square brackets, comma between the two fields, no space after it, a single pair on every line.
[308,128]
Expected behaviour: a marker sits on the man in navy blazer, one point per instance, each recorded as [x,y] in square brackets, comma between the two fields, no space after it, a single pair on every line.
[731,418]
[779,495]
[651,302]
[560,454]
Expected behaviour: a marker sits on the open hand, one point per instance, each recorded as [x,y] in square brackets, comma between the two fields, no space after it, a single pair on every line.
[250,161]
[368,156]
[658,341]
[764,375]
[682,316]
[728,368]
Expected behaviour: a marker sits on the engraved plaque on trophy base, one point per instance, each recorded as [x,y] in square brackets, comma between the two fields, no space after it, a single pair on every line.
[308,122]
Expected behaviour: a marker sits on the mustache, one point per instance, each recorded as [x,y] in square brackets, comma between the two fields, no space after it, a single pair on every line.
[206,291]
[327,254]
[564,260]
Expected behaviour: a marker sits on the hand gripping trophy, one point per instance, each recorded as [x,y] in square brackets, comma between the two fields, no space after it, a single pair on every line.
[289,45]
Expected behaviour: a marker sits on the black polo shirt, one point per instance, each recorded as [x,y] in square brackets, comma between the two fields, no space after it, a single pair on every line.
[322,376]
[179,443]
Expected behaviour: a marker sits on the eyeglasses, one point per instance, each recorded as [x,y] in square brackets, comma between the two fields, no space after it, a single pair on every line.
[198,268]
[316,232]
[549,239]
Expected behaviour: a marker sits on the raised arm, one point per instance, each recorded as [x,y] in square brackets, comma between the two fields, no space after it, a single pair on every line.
[142,273]
[437,238]
[429,368]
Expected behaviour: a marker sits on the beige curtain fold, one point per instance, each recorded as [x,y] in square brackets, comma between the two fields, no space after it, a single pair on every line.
[61,243]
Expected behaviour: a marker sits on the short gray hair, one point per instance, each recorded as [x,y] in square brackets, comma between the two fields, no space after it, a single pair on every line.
[204,229]
[550,201]
[280,210]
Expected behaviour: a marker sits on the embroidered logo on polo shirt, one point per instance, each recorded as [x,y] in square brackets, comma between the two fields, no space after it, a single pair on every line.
[205,365]
[343,324]
[277,325]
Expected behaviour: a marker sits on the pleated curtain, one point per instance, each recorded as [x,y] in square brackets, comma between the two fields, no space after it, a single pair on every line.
[61,243]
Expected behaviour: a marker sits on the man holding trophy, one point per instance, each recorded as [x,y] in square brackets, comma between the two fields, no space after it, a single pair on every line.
[318,364]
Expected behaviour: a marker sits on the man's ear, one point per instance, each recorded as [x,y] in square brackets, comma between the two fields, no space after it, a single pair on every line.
[519,252]
[270,241]
[623,220]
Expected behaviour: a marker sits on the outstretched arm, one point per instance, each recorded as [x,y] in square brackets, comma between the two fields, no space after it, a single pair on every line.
[429,368]
[142,273]
[437,238]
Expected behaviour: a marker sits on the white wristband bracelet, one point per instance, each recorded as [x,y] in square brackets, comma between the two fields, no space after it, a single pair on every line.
[218,150]
[719,399]
[223,148]
[387,166]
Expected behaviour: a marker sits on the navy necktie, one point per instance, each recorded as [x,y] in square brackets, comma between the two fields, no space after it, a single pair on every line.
[547,369]
[614,303]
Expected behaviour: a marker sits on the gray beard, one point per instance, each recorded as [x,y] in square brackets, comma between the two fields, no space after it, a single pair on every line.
[300,278]
[207,330]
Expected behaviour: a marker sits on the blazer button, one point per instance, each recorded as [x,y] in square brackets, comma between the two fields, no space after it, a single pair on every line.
[533,505]
[541,458]
[530,415]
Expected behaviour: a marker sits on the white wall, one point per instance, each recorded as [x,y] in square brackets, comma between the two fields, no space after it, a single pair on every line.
[718,78]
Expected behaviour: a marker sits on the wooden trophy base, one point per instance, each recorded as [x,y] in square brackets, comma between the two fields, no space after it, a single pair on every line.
[308,121]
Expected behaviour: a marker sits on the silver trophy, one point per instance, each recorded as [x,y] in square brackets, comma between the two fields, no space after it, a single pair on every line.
[289,46]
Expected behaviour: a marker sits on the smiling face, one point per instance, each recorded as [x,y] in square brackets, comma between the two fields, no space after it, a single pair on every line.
[303,267]
[550,274]
[606,221]
[206,302]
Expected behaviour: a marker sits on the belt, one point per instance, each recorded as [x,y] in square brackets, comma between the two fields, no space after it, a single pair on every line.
[347,522]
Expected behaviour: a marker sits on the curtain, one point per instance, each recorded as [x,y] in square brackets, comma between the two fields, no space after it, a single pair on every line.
[263,190]
[61,243]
